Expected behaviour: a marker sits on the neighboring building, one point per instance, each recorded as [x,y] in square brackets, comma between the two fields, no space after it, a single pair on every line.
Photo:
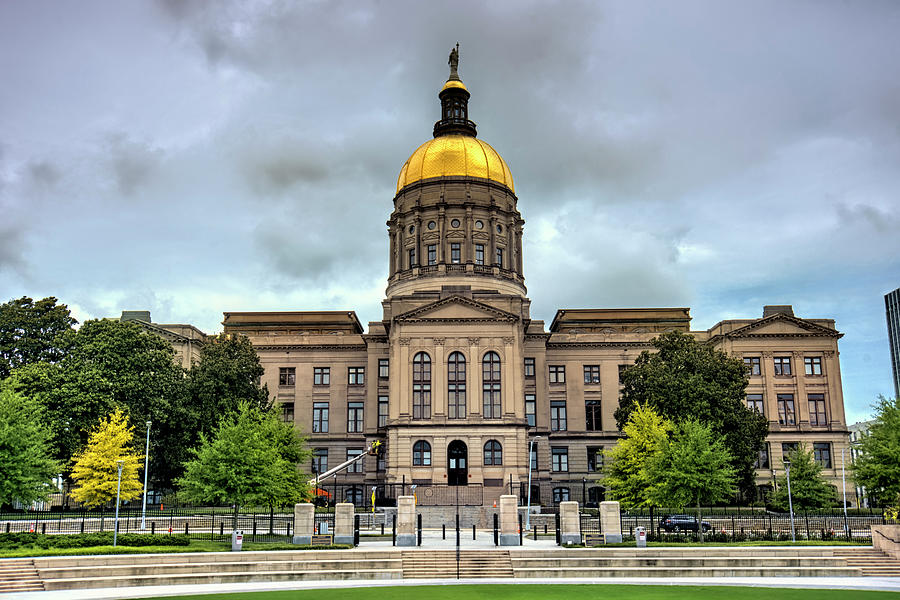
[186,339]
[457,378]
[892,312]
[857,430]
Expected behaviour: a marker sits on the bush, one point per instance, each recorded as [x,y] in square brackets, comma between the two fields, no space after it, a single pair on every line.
[86,540]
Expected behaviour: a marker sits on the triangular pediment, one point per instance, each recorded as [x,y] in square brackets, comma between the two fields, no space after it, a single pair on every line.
[782,325]
[457,308]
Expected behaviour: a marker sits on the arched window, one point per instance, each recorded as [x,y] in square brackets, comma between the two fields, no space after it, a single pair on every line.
[493,453]
[456,385]
[490,385]
[421,454]
[421,386]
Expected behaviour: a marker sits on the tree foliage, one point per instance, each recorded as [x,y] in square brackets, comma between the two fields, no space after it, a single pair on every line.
[29,332]
[251,459]
[26,468]
[625,475]
[691,468]
[685,377]
[877,467]
[808,489]
[96,472]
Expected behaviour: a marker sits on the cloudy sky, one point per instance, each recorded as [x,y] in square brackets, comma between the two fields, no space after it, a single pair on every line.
[192,158]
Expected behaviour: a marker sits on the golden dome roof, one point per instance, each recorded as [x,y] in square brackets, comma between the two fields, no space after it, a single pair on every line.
[455,156]
[454,83]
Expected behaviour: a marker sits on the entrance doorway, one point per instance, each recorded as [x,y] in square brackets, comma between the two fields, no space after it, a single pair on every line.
[457,463]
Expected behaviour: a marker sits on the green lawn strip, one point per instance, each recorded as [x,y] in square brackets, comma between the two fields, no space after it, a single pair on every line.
[548,592]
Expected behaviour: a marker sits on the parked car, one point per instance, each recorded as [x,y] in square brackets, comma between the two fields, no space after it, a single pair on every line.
[678,523]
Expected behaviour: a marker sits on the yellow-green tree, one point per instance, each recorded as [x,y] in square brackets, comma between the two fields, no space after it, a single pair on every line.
[96,466]
[625,473]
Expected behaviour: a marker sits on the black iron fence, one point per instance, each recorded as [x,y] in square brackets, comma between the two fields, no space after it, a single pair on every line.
[364,495]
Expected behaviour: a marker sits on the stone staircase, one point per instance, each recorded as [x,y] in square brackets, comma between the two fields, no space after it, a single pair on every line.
[808,561]
[441,564]
[19,575]
[871,562]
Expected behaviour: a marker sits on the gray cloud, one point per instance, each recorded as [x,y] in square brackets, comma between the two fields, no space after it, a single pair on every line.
[44,173]
[131,162]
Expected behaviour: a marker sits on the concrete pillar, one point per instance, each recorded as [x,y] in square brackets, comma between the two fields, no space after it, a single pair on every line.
[406,521]
[304,523]
[569,523]
[343,523]
[509,521]
[610,522]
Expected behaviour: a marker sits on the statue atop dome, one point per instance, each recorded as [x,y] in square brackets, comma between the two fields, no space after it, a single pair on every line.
[453,61]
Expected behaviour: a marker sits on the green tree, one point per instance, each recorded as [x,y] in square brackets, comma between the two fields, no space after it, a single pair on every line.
[107,365]
[690,469]
[26,468]
[686,377]
[29,330]
[808,489]
[624,470]
[228,373]
[877,468]
[251,459]
[96,469]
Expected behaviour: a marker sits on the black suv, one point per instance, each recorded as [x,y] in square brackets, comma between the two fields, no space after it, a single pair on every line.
[678,523]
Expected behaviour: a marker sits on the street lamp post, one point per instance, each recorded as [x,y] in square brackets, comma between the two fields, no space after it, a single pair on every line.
[528,506]
[146,466]
[118,491]
[787,468]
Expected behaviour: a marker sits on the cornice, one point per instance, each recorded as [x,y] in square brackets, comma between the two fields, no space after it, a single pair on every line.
[313,347]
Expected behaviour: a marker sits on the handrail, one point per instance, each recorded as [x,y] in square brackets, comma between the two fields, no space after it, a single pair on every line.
[885,536]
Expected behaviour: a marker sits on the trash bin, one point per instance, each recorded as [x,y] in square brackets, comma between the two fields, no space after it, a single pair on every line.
[237,540]
[640,535]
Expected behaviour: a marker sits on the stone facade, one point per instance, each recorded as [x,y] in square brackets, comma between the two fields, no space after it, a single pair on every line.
[457,377]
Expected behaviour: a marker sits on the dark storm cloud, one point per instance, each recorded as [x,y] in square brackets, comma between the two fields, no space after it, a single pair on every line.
[131,161]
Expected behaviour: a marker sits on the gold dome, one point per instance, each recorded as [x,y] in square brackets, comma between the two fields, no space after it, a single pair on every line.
[455,156]
[454,83]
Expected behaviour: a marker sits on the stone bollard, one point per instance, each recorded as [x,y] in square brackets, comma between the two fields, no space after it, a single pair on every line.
[569,523]
[406,521]
[304,524]
[509,522]
[610,522]
[343,523]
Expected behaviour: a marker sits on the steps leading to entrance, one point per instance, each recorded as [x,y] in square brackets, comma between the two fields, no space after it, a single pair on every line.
[871,562]
[19,575]
[441,564]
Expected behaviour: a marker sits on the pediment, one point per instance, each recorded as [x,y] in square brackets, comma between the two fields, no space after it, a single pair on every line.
[457,308]
[782,325]
[456,235]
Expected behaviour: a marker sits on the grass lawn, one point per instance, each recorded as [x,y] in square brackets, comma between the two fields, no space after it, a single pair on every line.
[548,592]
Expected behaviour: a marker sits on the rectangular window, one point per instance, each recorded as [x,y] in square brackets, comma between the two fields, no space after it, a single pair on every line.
[384,368]
[534,463]
[529,367]
[479,254]
[786,415]
[382,411]
[354,417]
[592,373]
[786,449]
[817,410]
[782,365]
[412,257]
[358,466]
[321,375]
[755,402]
[320,417]
[432,254]
[594,458]
[762,459]
[560,459]
[319,460]
[813,365]
[592,415]
[287,412]
[752,364]
[381,461]
[287,376]
[558,415]
[500,257]
[560,494]
[822,454]
[530,409]
[622,374]
[557,373]
[454,253]
[356,375]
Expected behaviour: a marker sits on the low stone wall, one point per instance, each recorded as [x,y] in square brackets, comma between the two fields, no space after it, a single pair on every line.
[887,539]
